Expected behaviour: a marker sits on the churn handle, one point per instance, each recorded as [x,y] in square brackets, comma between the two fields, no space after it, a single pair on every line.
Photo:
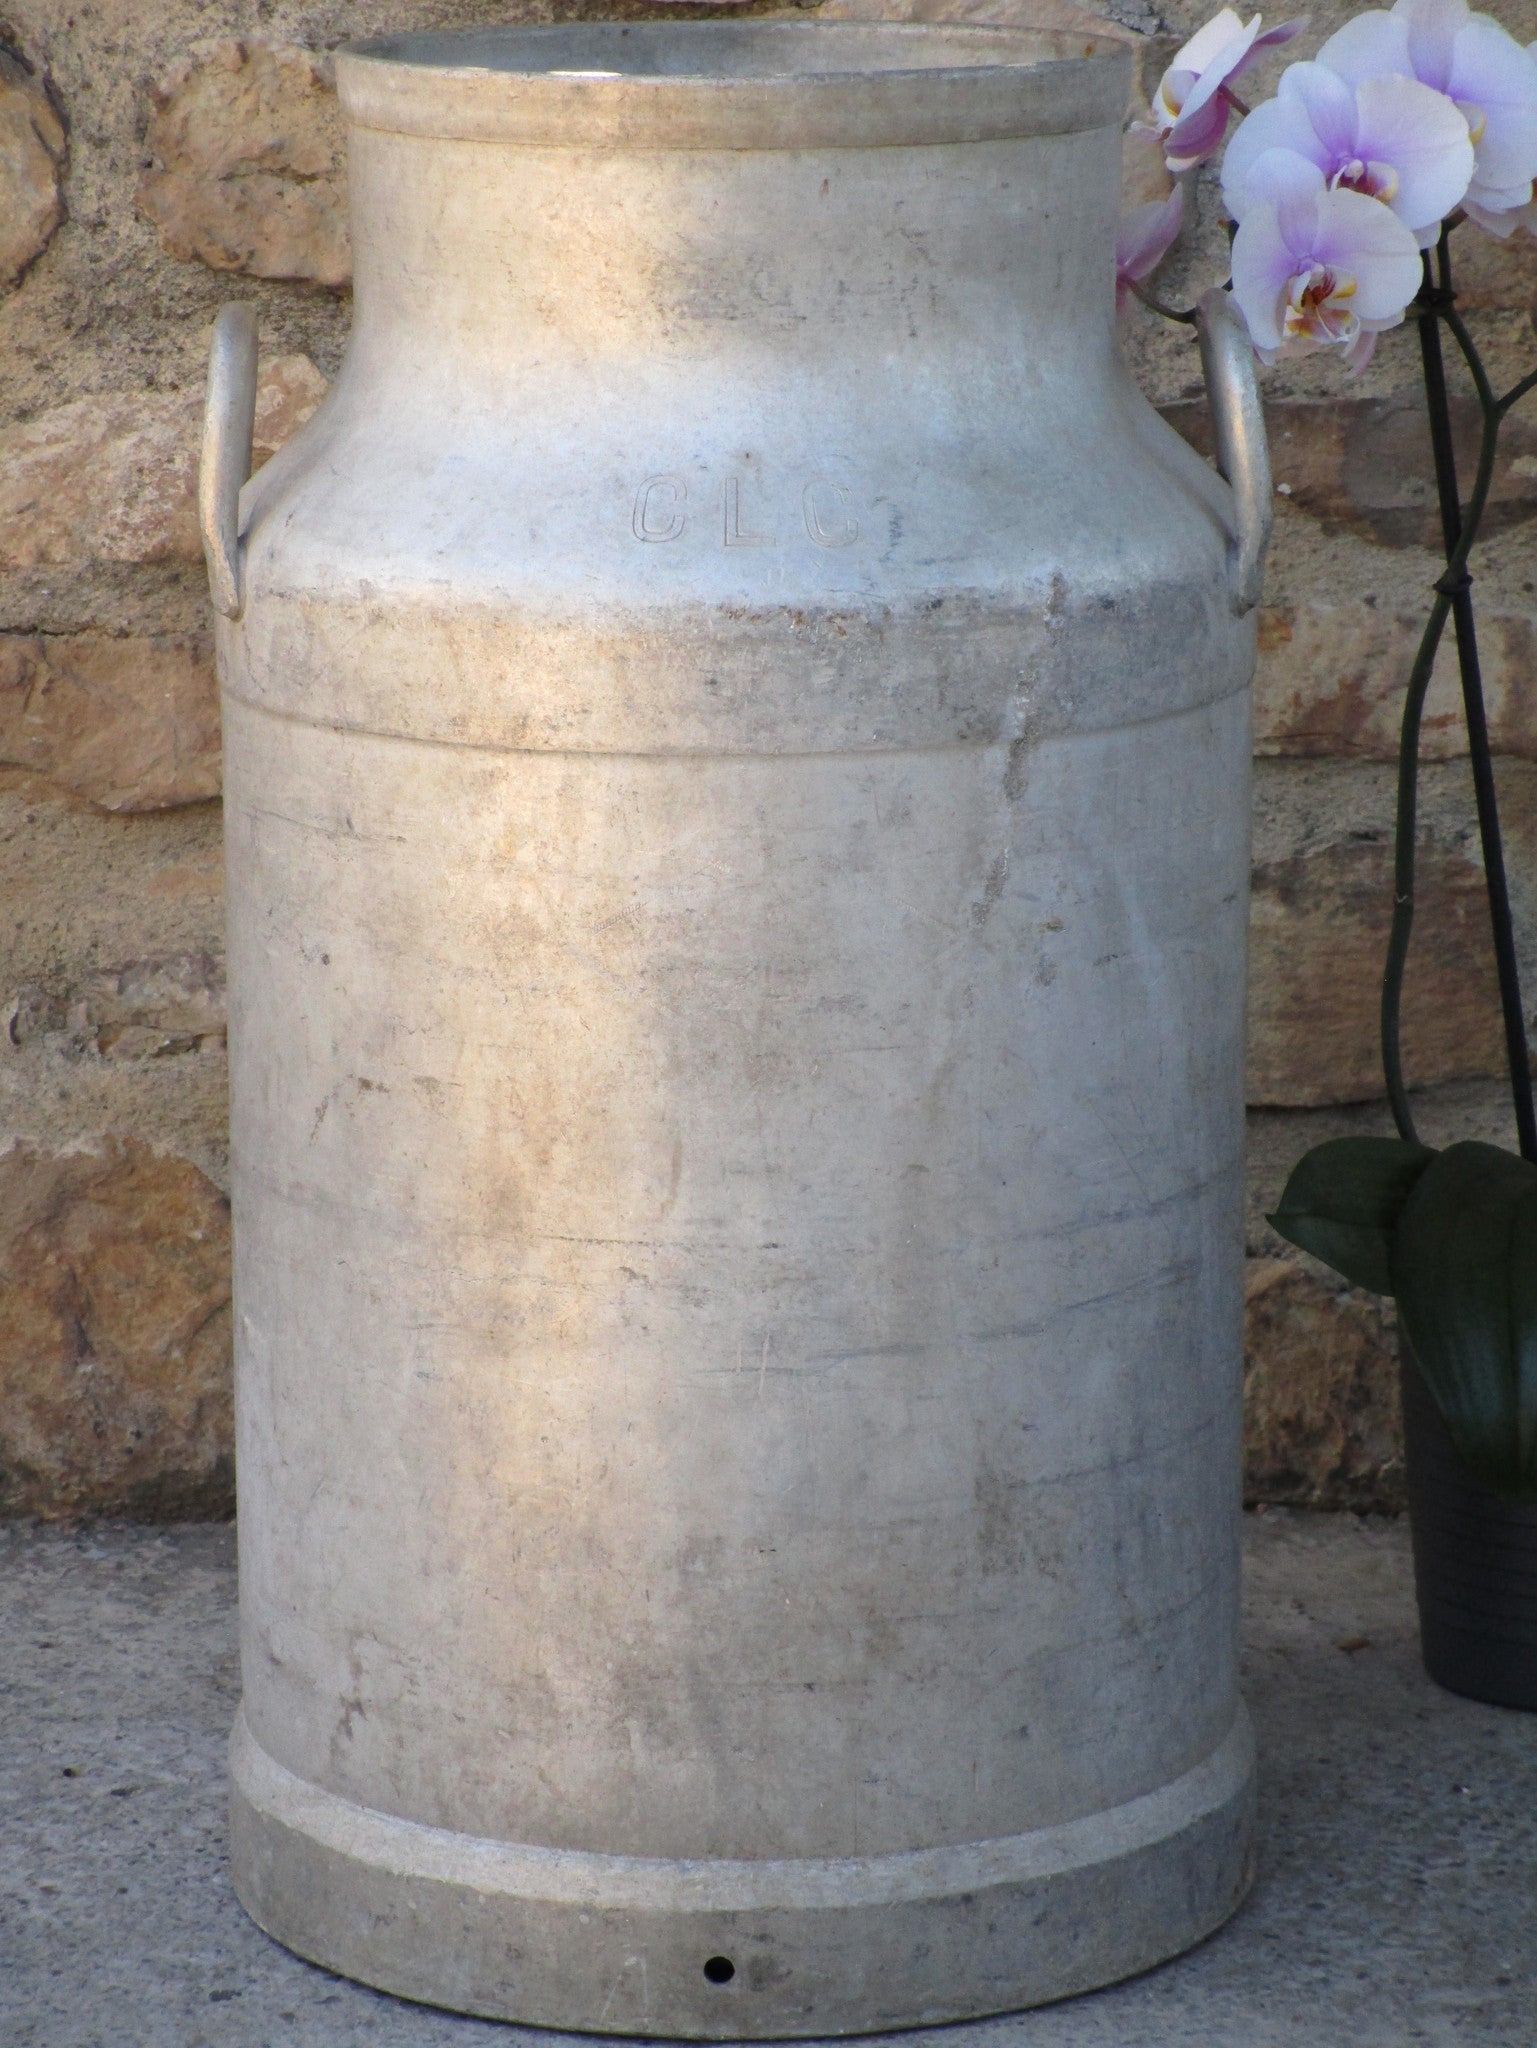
[1227,359]
[228,420]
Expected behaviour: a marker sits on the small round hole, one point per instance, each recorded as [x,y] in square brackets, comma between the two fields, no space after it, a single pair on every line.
[719,1969]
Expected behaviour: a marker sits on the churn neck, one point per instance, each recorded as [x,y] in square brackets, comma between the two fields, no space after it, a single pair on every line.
[716,185]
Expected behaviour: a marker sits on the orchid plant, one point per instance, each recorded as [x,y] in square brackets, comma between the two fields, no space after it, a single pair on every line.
[1343,193]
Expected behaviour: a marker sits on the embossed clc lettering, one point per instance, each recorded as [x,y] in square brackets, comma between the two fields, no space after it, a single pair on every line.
[736,535]
[827,508]
[659,508]
[829,511]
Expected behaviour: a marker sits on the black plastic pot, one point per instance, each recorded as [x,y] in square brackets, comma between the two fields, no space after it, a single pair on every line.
[1475,1566]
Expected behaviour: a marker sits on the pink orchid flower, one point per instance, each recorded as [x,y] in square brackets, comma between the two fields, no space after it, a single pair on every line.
[1471,59]
[1315,268]
[1193,101]
[1390,138]
[1518,216]
[1144,238]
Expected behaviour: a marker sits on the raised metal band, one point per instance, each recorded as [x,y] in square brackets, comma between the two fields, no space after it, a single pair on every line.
[735,85]
[619,1944]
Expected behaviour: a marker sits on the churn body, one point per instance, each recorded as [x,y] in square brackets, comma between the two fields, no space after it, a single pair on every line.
[736,734]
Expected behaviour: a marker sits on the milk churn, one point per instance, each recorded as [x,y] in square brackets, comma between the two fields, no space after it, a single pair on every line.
[736,730]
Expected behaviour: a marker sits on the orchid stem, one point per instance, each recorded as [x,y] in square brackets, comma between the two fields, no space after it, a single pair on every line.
[1517,392]
[1155,304]
[1454,598]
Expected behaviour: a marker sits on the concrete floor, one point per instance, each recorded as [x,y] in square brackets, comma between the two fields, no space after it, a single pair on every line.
[1396,1903]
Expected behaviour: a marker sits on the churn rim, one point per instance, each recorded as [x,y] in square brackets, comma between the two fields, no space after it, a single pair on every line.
[752,85]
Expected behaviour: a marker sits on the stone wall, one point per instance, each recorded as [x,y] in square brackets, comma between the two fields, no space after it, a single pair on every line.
[158,156]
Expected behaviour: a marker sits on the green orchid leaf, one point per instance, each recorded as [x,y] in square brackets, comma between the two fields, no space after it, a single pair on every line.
[1464,1268]
[1343,1203]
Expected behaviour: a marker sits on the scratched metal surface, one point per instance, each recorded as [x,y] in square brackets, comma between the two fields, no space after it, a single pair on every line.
[736,750]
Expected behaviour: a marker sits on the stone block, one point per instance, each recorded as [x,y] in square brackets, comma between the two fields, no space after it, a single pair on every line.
[113,477]
[131,723]
[88,890]
[114,1335]
[143,1009]
[1321,1418]
[1364,465]
[249,162]
[1318,932]
[1494,275]
[33,155]
[1331,677]
[288,390]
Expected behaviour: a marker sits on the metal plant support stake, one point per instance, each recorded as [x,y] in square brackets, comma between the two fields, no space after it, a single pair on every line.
[1436,303]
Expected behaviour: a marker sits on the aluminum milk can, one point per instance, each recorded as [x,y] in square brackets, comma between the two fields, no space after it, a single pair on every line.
[736,733]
